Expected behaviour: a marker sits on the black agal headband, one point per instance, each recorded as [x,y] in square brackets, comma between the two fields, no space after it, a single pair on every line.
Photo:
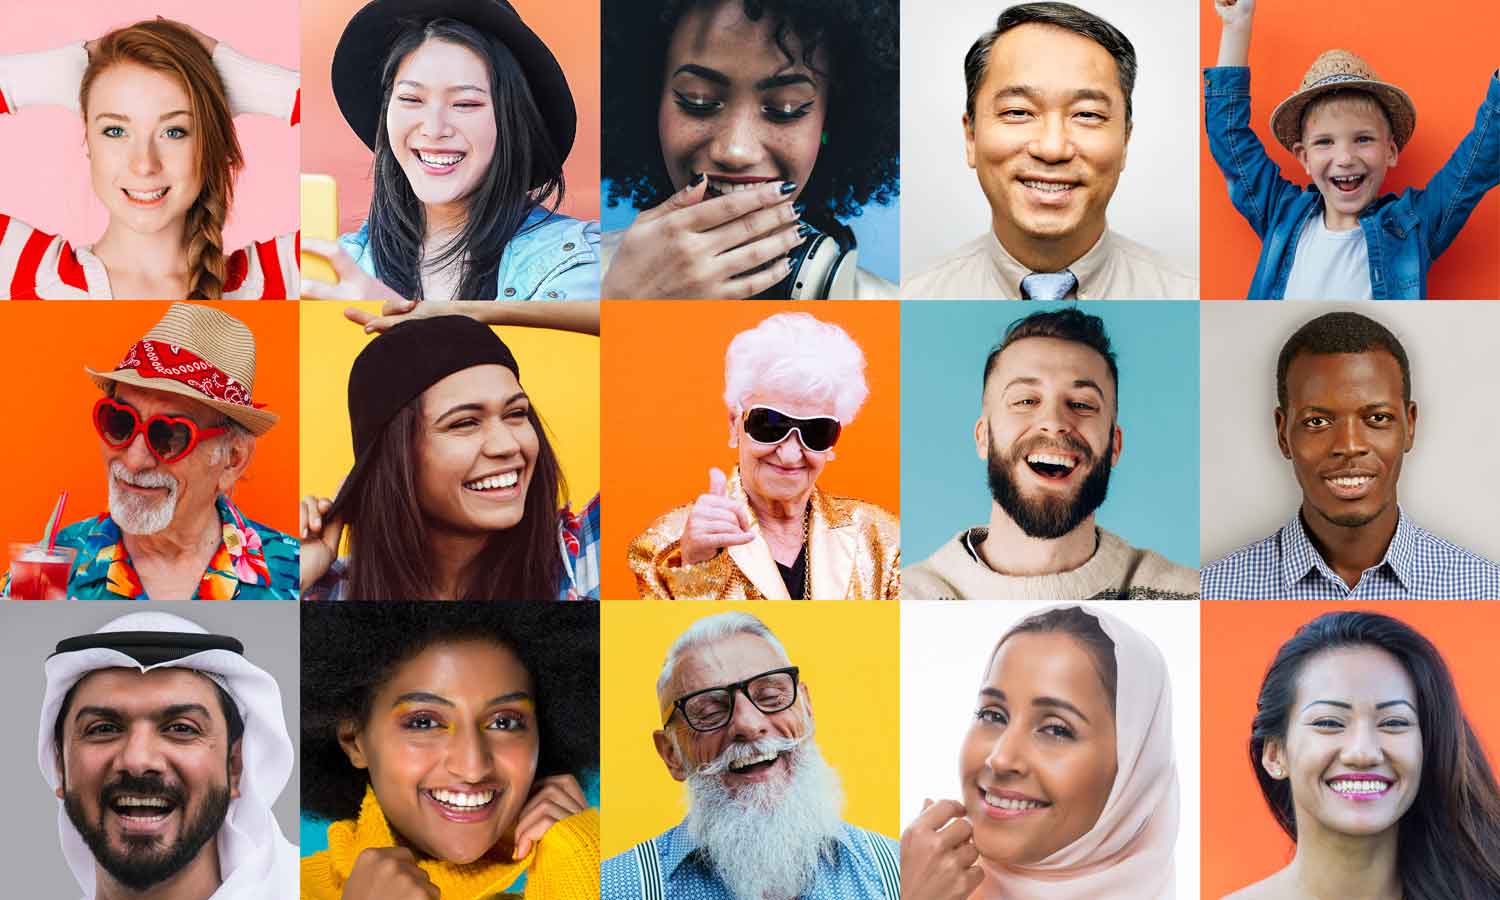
[150,648]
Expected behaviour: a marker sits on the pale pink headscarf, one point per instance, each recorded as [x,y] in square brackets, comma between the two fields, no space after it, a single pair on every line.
[1127,855]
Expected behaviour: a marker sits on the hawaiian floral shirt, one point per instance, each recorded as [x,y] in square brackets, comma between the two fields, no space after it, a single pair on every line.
[253,562]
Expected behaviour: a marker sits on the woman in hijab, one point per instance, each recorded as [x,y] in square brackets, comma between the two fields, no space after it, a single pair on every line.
[1069,785]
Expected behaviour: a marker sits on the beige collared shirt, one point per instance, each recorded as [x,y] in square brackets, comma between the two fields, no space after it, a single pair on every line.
[1115,268]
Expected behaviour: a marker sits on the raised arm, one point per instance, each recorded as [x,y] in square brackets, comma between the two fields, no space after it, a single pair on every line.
[1234,39]
[1471,172]
[44,78]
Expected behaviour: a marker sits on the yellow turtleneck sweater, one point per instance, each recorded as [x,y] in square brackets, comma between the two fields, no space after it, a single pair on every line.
[563,865]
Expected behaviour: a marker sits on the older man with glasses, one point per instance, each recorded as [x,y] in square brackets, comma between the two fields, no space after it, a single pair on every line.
[764,808]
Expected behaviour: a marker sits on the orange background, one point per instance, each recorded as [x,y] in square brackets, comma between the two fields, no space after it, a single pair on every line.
[1440,52]
[568,27]
[50,443]
[664,423]
[1241,842]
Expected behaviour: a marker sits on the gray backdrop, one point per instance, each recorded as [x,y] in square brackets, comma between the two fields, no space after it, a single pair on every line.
[1246,489]
[28,633]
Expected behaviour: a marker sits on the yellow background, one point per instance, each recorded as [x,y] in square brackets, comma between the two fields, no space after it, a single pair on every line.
[848,654]
[560,371]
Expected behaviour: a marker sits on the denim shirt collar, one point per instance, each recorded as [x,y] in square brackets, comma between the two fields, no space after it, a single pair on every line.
[678,845]
[1299,557]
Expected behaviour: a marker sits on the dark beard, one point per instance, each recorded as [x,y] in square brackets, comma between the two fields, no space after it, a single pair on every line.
[144,864]
[1048,517]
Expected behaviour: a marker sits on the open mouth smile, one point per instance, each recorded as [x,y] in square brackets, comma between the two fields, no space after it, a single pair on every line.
[146,198]
[1362,787]
[721,185]
[1347,184]
[1010,804]
[1349,485]
[438,162]
[1048,192]
[464,806]
[142,814]
[1052,466]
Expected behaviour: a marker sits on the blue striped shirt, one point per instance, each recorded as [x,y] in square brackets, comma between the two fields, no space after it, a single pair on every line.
[1418,565]
[853,871]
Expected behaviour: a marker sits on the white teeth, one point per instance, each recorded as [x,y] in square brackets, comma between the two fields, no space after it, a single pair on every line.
[1047,186]
[441,160]
[454,798]
[728,187]
[1347,179]
[1357,481]
[754,760]
[146,196]
[1051,459]
[1344,786]
[1008,803]
[143,801]
[493,482]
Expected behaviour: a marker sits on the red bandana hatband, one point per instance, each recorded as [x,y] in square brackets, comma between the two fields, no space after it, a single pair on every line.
[157,359]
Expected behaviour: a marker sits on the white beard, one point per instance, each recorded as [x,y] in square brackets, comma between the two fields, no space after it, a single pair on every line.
[766,840]
[133,513]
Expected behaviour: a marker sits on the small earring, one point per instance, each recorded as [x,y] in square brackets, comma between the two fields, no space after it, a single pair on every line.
[831,456]
[1277,772]
[825,139]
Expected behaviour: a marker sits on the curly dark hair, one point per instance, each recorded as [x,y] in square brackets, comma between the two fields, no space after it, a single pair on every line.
[859,162]
[349,650]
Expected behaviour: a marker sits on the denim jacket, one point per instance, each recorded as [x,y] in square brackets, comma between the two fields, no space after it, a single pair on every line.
[552,257]
[1403,234]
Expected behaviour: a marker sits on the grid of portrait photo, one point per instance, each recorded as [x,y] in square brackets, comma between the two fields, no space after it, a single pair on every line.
[750,449]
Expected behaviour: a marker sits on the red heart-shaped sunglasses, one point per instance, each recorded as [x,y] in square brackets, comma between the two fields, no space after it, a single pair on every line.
[169,438]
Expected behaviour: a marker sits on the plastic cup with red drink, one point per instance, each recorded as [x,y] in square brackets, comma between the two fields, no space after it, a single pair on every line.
[37,573]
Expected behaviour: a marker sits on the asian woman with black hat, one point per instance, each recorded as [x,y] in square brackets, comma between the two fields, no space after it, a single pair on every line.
[455,489]
[470,119]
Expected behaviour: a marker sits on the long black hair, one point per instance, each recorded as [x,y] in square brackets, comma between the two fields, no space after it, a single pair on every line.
[1448,843]
[525,173]
[389,549]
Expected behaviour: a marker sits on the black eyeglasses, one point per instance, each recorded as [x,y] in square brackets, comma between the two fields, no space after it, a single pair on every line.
[771,426]
[711,708]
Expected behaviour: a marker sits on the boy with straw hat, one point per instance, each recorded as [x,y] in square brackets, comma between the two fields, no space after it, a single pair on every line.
[177,426]
[1341,239]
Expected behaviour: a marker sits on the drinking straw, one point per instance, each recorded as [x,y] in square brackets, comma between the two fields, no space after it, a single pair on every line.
[57,511]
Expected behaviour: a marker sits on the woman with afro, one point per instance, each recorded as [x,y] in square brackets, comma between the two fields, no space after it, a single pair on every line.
[447,743]
[747,131]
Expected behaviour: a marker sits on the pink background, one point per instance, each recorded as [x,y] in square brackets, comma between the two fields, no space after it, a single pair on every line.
[44,176]
[569,28]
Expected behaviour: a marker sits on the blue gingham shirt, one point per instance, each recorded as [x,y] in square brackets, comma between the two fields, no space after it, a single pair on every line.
[851,872]
[1418,565]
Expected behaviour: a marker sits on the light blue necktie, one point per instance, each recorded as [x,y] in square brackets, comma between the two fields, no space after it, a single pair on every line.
[1048,285]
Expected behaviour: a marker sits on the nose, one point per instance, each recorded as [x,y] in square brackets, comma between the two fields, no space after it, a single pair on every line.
[144,160]
[468,755]
[141,752]
[737,143]
[1350,438]
[1052,143]
[1054,417]
[789,451]
[1361,748]
[500,442]
[434,120]
[1007,755]
[138,456]
[748,723]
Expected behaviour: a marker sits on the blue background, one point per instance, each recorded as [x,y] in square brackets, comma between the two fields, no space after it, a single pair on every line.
[877,229]
[1153,491]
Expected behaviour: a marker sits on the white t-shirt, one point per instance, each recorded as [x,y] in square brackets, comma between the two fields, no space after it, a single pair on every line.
[1329,265]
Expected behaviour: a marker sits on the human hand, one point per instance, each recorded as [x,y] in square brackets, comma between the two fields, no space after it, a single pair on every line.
[354,282]
[1235,13]
[552,799]
[714,522]
[320,540]
[938,858]
[711,249]
[398,310]
[388,873]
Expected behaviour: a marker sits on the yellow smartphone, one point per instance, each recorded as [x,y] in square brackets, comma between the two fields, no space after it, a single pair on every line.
[320,219]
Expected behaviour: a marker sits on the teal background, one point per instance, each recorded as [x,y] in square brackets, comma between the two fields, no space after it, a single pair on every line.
[1153,490]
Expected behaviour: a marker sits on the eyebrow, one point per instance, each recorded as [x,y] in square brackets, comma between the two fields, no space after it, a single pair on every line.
[1036,382]
[717,77]
[1045,702]
[162,118]
[1035,94]
[450,88]
[477,407]
[161,715]
[427,697]
[1342,705]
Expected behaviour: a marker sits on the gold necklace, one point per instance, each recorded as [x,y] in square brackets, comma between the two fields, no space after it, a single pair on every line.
[807,548]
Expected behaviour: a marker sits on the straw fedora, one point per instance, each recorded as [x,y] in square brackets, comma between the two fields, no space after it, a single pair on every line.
[197,352]
[1338,70]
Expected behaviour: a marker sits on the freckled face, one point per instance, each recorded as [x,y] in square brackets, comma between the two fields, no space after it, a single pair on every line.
[142,147]
[733,107]
[1039,760]
[477,451]
[451,746]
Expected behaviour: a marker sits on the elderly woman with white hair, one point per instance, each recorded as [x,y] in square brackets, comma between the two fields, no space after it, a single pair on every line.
[766,532]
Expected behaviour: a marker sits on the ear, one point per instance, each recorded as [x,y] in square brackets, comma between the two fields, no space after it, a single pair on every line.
[1118,440]
[805,690]
[734,429]
[1299,150]
[1411,424]
[982,438]
[1273,758]
[241,449]
[968,140]
[667,750]
[1392,154]
[236,767]
[351,741]
[1125,150]
[1281,441]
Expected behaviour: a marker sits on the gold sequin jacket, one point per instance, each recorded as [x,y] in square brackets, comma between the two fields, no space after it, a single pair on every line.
[853,552]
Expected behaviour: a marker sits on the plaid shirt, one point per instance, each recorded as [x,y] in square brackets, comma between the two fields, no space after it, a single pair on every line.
[1418,565]
[578,551]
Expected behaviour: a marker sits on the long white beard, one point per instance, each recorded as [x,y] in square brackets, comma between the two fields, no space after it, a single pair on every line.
[765,841]
[136,514]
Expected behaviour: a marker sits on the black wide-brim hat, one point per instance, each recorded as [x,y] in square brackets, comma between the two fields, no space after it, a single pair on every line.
[367,40]
[397,366]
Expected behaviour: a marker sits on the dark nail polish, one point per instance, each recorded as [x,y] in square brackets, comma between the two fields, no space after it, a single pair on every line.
[804,230]
[697,180]
[788,187]
[799,207]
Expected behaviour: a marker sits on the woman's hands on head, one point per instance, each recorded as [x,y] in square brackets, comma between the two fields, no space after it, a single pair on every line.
[388,873]
[691,247]
[938,858]
[553,799]
[354,283]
